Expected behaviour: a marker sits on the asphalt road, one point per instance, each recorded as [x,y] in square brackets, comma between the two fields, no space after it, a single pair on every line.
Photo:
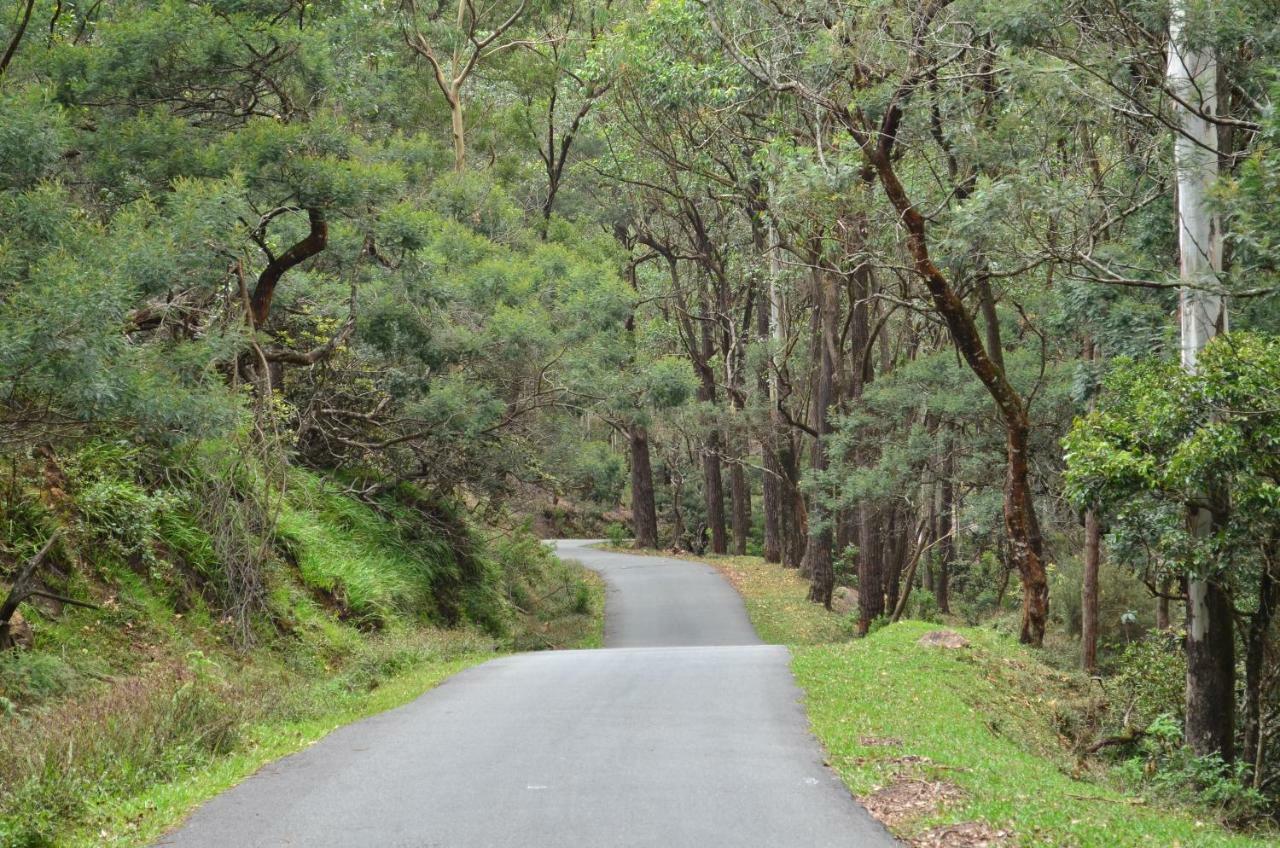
[683,731]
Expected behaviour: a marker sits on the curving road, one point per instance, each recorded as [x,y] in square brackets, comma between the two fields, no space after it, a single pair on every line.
[683,731]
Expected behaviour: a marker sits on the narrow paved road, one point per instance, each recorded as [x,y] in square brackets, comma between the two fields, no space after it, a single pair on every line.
[684,731]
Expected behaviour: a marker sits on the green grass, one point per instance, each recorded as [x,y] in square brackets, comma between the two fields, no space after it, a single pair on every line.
[987,719]
[344,549]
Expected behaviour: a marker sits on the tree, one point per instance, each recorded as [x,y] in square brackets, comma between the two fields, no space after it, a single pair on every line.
[1193,87]
[454,48]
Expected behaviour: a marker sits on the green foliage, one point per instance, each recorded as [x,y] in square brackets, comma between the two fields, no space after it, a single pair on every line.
[598,473]
[1146,681]
[617,534]
[1162,438]
[1165,767]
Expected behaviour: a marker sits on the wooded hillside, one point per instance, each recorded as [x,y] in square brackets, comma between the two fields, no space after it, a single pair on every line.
[965,310]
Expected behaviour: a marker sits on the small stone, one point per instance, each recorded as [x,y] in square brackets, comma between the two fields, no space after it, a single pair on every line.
[943,639]
[19,634]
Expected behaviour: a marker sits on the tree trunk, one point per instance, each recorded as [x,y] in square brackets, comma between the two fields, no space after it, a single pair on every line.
[459,132]
[772,504]
[713,488]
[870,570]
[889,556]
[1089,593]
[1192,76]
[264,290]
[740,497]
[1163,621]
[822,571]
[677,513]
[1211,664]
[794,526]
[946,536]
[644,510]
[1023,528]
[1021,524]
[1255,654]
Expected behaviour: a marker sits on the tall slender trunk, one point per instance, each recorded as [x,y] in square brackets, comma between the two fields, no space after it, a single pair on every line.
[1192,77]
[771,496]
[644,510]
[1021,524]
[1255,653]
[713,490]
[1025,543]
[822,573]
[459,131]
[946,534]
[1092,562]
[794,521]
[865,519]
[870,568]
[890,556]
[740,499]
[676,484]
[1089,593]
[765,239]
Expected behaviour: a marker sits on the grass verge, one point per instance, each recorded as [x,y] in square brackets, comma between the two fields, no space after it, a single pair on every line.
[138,819]
[955,747]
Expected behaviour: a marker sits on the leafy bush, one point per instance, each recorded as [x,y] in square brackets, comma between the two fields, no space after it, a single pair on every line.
[1171,770]
[1147,681]
[617,534]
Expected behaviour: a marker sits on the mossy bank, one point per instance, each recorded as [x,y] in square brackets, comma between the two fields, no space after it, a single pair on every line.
[216,644]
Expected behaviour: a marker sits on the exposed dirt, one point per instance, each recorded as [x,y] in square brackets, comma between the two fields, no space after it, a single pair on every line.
[963,835]
[907,799]
[880,742]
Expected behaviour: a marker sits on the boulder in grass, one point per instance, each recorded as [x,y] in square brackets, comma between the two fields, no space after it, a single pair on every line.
[844,600]
[943,639]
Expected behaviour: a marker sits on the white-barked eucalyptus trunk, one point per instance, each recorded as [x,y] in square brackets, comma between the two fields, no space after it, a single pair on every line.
[1192,82]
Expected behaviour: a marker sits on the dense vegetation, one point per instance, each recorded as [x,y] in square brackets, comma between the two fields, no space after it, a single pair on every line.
[309,310]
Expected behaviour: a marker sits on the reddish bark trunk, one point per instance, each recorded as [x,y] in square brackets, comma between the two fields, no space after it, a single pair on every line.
[1089,593]
[644,511]
[316,239]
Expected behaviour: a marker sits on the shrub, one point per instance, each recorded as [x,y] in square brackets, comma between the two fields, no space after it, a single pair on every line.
[1148,681]
[1166,767]
[617,534]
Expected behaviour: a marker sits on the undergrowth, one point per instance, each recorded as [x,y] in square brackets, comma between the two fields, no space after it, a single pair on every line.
[118,719]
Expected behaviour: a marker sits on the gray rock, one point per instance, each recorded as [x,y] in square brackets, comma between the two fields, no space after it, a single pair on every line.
[943,639]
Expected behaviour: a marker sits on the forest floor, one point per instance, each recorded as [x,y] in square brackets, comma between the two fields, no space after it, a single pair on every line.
[957,748]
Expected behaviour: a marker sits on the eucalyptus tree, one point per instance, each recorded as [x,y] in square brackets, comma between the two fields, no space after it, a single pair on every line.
[682,182]
[1185,86]
[456,41]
